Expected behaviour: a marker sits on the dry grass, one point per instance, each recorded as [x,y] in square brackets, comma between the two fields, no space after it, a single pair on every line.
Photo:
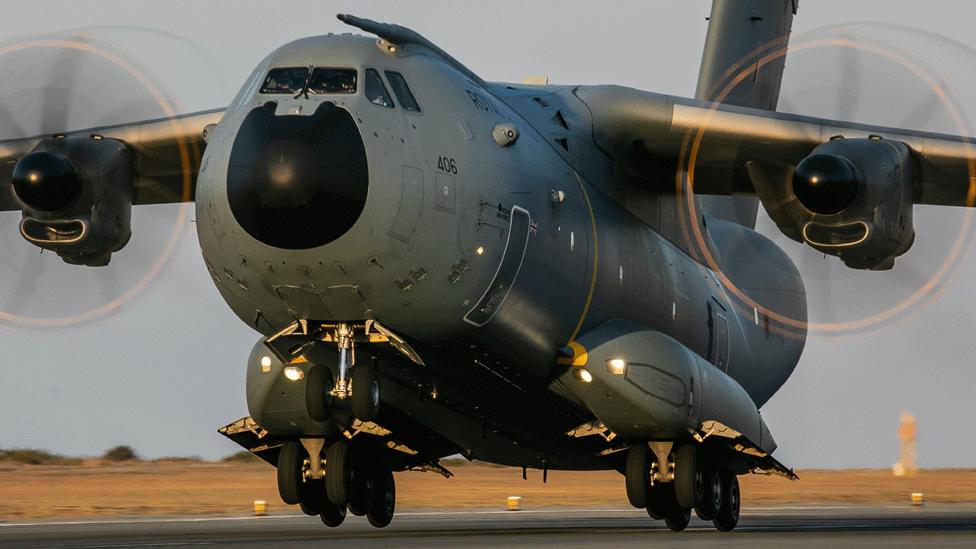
[169,487]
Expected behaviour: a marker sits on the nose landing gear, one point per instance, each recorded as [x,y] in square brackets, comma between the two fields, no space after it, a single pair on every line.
[357,382]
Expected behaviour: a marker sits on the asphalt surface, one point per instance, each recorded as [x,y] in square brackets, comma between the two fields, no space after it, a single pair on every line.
[811,526]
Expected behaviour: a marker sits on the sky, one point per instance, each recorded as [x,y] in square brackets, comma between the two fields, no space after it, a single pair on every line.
[166,369]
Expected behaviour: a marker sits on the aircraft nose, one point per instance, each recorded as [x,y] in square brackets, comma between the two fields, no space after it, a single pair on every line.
[297,182]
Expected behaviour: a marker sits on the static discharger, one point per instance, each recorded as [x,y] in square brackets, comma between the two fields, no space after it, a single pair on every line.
[907,464]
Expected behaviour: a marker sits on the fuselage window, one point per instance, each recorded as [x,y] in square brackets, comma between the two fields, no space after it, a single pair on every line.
[402,91]
[325,80]
[376,90]
[285,80]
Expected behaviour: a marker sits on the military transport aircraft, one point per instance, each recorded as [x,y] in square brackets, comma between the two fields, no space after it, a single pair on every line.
[551,277]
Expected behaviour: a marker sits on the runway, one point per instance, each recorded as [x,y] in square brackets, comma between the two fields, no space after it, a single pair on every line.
[809,526]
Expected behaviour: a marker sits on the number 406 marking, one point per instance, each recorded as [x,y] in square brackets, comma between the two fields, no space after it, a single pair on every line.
[446,165]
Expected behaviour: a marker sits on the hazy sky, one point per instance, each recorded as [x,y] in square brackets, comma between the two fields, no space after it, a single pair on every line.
[168,369]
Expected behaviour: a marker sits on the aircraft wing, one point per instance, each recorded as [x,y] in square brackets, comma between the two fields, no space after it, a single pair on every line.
[732,137]
[168,153]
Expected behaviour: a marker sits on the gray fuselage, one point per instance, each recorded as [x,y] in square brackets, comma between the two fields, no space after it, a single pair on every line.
[438,212]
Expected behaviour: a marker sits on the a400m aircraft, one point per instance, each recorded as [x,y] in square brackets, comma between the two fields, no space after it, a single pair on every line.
[554,277]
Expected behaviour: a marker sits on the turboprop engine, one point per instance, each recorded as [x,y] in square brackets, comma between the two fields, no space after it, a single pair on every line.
[76,196]
[851,198]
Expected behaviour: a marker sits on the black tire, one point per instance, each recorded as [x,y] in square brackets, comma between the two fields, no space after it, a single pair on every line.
[382,502]
[637,474]
[337,475]
[678,520]
[660,501]
[313,497]
[711,499]
[689,483]
[332,515]
[365,392]
[318,401]
[360,488]
[728,514]
[291,458]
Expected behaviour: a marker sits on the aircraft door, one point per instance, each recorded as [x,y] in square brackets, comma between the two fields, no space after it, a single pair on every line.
[718,345]
[518,239]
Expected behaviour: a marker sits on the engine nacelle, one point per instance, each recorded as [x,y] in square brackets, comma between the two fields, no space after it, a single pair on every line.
[76,194]
[851,198]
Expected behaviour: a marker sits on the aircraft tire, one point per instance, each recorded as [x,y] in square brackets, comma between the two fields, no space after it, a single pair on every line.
[689,482]
[318,383]
[337,474]
[290,461]
[636,475]
[678,520]
[359,490]
[711,499]
[660,501]
[365,392]
[332,515]
[727,516]
[312,497]
[382,503]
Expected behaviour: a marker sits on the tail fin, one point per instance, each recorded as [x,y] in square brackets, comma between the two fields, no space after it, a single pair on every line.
[740,33]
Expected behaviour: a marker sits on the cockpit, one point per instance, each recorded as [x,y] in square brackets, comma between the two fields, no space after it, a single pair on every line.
[308,80]
[298,81]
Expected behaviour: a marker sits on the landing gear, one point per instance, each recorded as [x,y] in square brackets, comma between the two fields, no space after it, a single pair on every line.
[318,389]
[686,481]
[637,475]
[711,499]
[689,484]
[365,392]
[332,515]
[290,475]
[382,500]
[361,487]
[338,475]
[727,516]
[678,520]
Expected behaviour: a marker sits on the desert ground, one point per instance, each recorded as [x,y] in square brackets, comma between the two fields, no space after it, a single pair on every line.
[98,488]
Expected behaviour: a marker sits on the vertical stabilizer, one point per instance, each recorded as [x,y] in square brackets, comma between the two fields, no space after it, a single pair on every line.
[740,33]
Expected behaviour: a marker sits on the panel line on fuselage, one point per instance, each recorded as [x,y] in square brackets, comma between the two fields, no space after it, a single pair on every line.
[596,259]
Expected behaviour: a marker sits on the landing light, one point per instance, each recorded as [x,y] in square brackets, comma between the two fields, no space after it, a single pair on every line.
[294,373]
[266,362]
[617,366]
[583,375]
[479,250]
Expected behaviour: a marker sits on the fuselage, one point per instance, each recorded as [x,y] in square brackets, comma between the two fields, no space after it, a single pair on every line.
[455,239]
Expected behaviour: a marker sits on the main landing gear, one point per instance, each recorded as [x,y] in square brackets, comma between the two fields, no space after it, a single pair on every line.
[332,486]
[670,482]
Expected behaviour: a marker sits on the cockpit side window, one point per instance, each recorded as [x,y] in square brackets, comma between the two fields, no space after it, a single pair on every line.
[402,91]
[376,90]
[285,80]
[328,80]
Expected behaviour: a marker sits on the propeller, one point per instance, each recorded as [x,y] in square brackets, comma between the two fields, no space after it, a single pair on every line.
[57,83]
[863,84]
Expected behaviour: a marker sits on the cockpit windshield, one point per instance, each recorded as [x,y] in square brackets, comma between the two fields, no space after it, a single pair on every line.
[326,80]
[285,80]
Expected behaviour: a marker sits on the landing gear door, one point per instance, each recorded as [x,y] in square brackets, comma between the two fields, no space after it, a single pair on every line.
[719,336]
[508,269]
